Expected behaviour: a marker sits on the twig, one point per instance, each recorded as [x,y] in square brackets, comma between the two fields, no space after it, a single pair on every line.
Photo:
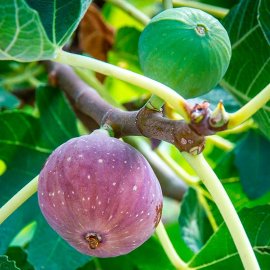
[218,12]
[131,10]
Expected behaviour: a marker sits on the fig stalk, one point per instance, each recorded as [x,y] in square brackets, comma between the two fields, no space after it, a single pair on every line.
[226,208]
[249,109]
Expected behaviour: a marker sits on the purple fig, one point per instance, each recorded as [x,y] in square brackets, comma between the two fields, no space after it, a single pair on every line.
[100,195]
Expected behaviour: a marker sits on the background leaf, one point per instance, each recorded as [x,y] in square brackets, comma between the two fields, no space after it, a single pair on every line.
[125,55]
[220,252]
[252,161]
[48,250]
[264,18]
[6,264]
[25,143]
[18,255]
[194,225]
[144,257]
[7,100]
[249,69]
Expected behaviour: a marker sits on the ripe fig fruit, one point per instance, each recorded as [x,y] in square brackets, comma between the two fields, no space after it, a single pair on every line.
[185,49]
[100,195]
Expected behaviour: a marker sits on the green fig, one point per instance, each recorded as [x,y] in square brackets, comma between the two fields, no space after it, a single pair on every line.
[185,49]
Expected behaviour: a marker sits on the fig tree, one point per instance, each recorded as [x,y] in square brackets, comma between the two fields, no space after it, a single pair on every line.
[100,195]
[186,49]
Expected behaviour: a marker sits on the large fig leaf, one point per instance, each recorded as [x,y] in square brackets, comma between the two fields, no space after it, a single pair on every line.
[249,69]
[34,29]
[264,18]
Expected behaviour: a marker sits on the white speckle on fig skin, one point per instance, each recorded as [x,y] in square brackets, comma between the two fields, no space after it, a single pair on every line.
[92,202]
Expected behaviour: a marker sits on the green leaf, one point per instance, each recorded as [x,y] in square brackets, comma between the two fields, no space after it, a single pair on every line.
[118,18]
[220,252]
[34,29]
[22,36]
[215,95]
[25,143]
[249,69]
[26,214]
[125,55]
[18,255]
[194,225]
[6,264]
[144,257]
[59,17]
[7,100]
[252,161]
[264,18]
[178,242]
[48,250]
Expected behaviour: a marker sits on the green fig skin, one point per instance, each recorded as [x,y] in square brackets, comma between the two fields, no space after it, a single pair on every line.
[185,49]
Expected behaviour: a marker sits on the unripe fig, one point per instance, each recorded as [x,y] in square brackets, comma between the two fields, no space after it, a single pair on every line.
[185,49]
[100,195]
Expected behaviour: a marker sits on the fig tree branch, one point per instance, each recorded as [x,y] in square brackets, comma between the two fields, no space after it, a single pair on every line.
[144,122]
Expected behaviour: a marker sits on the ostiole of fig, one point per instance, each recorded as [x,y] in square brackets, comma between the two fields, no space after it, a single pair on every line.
[201,29]
[93,240]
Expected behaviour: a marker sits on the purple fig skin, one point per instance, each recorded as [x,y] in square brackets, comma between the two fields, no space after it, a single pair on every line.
[100,195]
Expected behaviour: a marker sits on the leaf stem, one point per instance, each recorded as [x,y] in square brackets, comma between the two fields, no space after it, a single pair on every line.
[255,104]
[207,209]
[18,199]
[154,103]
[249,124]
[167,4]
[159,89]
[131,10]
[166,243]
[220,142]
[218,12]
[186,177]
[226,209]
